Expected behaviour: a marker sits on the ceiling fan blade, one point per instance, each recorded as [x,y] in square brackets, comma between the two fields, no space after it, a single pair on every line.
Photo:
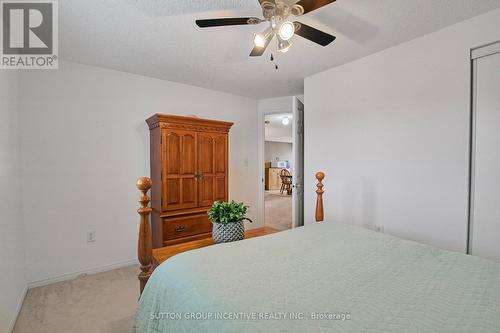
[310,5]
[258,51]
[313,34]
[227,21]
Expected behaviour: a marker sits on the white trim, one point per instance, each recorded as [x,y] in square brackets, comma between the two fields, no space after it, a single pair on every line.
[485,51]
[297,201]
[20,303]
[282,140]
[472,156]
[71,276]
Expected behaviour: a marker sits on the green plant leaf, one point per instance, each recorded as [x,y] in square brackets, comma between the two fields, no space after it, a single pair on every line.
[227,212]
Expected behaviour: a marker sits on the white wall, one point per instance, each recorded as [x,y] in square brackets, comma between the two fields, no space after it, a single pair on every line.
[391,132]
[277,151]
[276,105]
[84,143]
[12,257]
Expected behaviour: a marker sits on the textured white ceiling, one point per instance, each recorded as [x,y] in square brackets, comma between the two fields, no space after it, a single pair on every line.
[158,38]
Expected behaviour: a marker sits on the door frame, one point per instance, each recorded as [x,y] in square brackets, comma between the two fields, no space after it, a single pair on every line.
[475,54]
[298,218]
[282,105]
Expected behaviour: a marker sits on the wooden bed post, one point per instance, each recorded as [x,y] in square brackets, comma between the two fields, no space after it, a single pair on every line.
[319,200]
[145,246]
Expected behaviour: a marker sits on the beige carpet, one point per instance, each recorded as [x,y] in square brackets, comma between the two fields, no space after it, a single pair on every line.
[106,302]
[278,210]
[99,303]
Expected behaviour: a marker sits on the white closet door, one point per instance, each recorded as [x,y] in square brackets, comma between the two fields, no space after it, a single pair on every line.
[485,222]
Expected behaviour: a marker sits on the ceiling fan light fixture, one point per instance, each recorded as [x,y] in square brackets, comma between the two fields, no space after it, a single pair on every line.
[283,45]
[297,10]
[287,30]
[259,40]
[277,14]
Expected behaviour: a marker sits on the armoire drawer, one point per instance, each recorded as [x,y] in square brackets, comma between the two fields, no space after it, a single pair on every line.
[179,227]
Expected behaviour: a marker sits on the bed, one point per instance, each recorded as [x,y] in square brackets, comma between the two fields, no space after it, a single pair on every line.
[320,278]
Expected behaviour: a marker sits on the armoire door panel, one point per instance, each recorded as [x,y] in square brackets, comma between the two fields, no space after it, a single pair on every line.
[206,165]
[220,188]
[205,153]
[189,192]
[173,192]
[220,154]
[206,191]
[173,152]
[179,176]
[188,154]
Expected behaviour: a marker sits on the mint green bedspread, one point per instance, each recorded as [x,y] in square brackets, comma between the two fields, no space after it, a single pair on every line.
[322,278]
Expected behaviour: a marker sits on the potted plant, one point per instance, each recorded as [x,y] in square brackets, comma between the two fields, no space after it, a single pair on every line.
[227,219]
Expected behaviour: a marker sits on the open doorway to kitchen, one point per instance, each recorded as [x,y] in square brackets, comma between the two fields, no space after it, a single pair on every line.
[281,154]
[278,179]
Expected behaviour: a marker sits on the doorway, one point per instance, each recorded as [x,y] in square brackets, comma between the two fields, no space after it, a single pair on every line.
[278,179]
[282,168]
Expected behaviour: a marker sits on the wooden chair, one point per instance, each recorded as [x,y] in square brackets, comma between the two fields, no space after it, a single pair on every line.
[286,181]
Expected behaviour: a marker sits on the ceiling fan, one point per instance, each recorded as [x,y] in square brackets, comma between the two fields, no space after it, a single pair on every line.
[277,13]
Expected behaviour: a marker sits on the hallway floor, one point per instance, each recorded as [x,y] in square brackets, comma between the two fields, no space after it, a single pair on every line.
[278,210]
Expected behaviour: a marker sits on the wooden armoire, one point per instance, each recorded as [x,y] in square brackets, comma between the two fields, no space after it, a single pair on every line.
[189,170]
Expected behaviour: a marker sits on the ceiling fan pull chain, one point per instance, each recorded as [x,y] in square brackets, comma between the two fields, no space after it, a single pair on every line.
[272,59]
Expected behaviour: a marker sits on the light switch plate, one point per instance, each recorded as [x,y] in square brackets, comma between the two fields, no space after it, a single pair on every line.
[90,236]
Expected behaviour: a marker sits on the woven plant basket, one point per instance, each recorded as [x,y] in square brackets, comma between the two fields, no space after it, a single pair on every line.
[228,232]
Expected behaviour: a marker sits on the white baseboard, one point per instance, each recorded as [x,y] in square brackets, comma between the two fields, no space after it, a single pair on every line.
[18,309]
[74,275]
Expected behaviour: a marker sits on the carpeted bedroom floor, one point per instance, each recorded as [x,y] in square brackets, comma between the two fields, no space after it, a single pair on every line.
[106,302]
[99,303]
[278,210]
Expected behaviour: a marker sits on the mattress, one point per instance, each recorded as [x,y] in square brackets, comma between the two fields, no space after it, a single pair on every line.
[326,277]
